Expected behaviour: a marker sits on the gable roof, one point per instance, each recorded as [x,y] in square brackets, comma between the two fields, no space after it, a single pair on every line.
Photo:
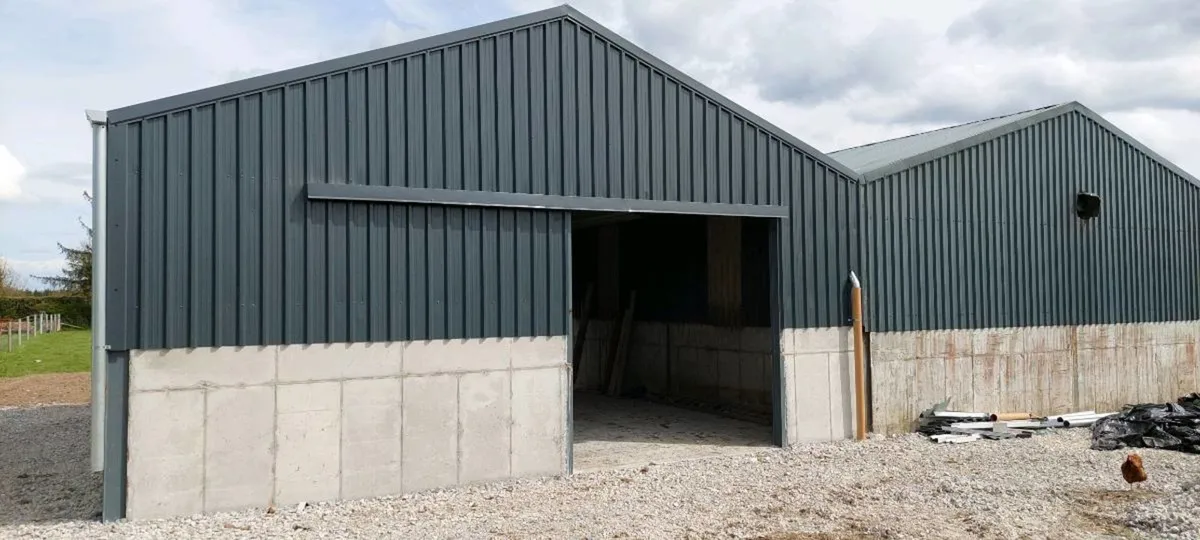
[345,63]
[877,160]
[869,157]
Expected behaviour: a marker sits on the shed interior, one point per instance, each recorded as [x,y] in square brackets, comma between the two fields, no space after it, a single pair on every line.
[673,344]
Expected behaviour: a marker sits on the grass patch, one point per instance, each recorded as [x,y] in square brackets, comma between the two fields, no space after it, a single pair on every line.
[69,351]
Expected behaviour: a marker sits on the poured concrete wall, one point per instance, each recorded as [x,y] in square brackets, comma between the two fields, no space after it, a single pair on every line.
[818,389]
[230,428]
[702,363]
[1042,370]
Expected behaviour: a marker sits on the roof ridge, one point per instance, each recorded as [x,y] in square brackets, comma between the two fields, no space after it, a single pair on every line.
[943,128]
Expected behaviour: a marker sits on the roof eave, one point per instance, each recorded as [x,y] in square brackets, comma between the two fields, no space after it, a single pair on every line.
[280,78]
[876,173]
[308,71]
[1170,165]
[711,94]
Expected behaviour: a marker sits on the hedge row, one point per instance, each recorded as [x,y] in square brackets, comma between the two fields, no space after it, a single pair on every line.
[75,310]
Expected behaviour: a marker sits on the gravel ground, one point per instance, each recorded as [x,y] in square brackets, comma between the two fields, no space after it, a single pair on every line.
[45,389]
[1050,486]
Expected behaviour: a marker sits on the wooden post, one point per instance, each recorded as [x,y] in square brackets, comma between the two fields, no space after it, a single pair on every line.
[860,385]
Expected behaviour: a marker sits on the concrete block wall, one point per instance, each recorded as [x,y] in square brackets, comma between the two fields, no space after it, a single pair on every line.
[818,379]
[231,428]
[1042,370]
[709,364]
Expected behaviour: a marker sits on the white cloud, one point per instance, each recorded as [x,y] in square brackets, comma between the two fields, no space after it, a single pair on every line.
[11,172]
[839,73]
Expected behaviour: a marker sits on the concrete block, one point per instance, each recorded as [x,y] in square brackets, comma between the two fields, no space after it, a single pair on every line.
[706,374]
[985,383]
[165,471]
[538,352]
[650,333]
[755,339]
[811,340]
[694,335]
[430,455]
[195,368]
[1097,380]
[893,400]
[841,396]
[1100,336]
[649,366]
[724,338]
[960,382]
[944,344]
[893,347]
[308,442]
[485,426]
[929,383]
[755,379]
[995,342]
[371,438]
[1134,335]
[729,372]
[539,418]
[1048,339]
[239,452]
[1185,366]
[788,398]
[426,357]
[811,388]
[298,363]
[1014,384]
[787,341]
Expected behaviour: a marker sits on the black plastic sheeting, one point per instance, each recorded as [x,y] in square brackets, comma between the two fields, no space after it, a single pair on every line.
[1166,426]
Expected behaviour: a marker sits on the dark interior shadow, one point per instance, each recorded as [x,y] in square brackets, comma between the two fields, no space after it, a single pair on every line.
[45,472]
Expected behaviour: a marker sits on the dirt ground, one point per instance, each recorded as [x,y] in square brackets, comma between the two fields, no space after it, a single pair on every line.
[49,389]
[612,433]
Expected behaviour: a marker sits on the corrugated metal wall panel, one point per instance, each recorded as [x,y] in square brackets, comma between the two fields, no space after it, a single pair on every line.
[228,251]
[988,237]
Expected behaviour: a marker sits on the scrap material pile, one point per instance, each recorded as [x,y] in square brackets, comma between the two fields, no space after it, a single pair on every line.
[1166,426]
[960,427]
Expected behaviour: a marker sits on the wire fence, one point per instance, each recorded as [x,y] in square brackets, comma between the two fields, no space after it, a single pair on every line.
[16,332]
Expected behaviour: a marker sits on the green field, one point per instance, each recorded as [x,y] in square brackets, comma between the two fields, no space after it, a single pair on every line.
[68,351]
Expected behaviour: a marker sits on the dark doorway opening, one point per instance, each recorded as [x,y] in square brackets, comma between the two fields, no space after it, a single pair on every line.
[674,349]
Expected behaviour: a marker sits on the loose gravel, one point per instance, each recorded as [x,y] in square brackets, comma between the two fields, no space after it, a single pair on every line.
[1050,486]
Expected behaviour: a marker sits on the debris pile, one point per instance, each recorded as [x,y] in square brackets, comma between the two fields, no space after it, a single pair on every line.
[1166,426]
[945,426]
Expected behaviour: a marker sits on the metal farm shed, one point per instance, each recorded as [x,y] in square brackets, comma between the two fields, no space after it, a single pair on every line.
[368,263]
[1032,262]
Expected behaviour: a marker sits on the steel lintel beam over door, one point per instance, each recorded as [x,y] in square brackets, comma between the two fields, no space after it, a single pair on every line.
[399,194]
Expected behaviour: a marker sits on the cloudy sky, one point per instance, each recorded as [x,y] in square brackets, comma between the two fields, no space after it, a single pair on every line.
[835,73]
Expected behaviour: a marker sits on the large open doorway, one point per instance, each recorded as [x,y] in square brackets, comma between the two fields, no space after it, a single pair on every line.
[674,347]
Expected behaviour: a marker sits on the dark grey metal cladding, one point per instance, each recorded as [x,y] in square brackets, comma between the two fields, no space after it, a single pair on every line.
[987,236]
[214,243]
[116,424]
[818,244]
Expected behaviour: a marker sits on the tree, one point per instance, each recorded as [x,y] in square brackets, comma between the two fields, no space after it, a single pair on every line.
[10,281]
[76,278]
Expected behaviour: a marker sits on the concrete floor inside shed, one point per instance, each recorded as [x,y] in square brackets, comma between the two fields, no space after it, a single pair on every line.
[614,433]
